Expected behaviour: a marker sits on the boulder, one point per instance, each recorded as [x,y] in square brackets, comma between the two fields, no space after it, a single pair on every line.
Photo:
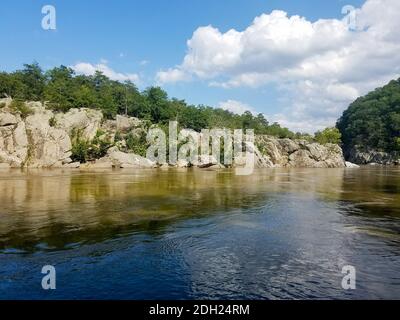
[7,119]
[125,124]
[13,142]
[206,161]
[86,121]
[351,165]
[48,146]
[128,160]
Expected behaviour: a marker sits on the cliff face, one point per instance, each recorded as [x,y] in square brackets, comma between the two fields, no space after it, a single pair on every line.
[43,139]
[369,156]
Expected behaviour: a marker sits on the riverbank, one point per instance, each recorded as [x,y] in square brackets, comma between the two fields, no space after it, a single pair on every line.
[34,136]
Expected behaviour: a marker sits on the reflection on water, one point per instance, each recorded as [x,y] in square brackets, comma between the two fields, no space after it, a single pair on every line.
[168,234]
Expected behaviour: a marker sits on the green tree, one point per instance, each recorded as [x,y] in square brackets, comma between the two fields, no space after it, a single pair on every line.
[328,135]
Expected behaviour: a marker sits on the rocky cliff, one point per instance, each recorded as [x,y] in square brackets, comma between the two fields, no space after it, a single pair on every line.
[363,156]
[41,138]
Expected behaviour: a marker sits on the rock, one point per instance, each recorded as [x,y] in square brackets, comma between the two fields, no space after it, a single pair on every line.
[302,159]
[13,144]
[360,156]
[351,165]
[217,166]
[5,102]
[181,163]
[7,119]
[298,153]
[206,161]
[124,124]
[73,165]
[288,146]
[86,121]
[129,160]
[48,146]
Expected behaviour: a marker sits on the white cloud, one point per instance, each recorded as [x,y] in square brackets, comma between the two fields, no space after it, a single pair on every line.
[171,76]
[236,107]
[90,69]
[319,67]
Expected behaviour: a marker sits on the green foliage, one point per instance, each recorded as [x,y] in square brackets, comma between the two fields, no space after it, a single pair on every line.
[2,105]
[20,107]
[328,135]
[137,143]
[373,121]
[63,90]
[84,150]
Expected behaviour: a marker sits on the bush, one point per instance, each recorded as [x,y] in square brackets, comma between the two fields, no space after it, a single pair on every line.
[137,143]
[84,150]
[20,107]
[328,135]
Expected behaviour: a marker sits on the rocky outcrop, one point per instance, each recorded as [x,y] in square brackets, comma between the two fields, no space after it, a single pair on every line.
[48,146]
[361,156]
[13,140]
[85,121]
[298,153]
[45,139]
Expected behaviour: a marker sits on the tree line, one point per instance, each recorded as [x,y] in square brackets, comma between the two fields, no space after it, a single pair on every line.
[62,90]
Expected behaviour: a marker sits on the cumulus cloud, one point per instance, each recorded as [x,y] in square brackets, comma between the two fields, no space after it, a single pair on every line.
[171,75]
[89,69]
[319,67]
[236,107]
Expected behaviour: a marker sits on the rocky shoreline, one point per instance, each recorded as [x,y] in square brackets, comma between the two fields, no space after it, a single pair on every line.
[44,139]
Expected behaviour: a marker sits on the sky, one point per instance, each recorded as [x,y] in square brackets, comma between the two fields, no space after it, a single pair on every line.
[299,62]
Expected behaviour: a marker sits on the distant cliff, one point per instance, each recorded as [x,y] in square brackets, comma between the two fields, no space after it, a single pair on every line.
[34,136]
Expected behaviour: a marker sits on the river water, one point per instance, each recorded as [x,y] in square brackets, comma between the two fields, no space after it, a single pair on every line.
[198,234]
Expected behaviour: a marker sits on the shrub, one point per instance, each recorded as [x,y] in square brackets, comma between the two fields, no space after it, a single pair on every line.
[20,107]
[84,150]
[328,135]
[137,143]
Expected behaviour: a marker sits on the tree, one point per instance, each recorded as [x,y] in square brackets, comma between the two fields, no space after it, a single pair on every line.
[328,135]
[33,80]
[373,121]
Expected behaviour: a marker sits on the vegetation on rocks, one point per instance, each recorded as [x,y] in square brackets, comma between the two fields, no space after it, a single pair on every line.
[84,150]
[19,106]
[328,135]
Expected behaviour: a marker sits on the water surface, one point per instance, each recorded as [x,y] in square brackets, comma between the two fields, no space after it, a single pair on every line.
[198,234]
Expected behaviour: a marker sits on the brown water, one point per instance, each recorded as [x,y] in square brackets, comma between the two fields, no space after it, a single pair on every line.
[168,234]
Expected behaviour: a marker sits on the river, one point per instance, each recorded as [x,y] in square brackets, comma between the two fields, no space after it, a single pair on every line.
[198,234]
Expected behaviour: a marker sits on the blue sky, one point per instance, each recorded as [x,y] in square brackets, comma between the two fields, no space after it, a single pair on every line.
[146,37]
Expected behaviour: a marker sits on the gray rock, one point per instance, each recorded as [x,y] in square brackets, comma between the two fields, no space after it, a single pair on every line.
[125,124]
[351,165]
[86,121]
